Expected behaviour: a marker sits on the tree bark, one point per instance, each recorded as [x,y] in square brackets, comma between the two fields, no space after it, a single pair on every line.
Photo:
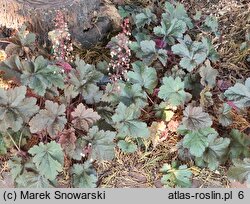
[39,14]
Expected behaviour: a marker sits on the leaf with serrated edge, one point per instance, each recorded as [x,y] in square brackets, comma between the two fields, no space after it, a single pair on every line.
[48,158]
[208,75]
[102,144]
[176,177]
[132,94]
[240,170]
[197,141]
[84,117]
[143,75]
[177,11]
[15,109]
[172,91]
[239,94]
[84,77]
[32,180]
[225,115]
[127,122]
[215,151]
[127,147]
[67,140]
[52,119]
[3,149]
[194,118]
[192,53]
[240,144]
[41,76]
[84,176]
[15,166]
[145,17]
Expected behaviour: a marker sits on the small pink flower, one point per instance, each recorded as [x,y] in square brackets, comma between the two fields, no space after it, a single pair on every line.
[156,91]
[232,105]
[65,65]
[160,43]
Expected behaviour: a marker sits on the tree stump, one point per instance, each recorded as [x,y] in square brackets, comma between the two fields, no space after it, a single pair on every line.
[40,15]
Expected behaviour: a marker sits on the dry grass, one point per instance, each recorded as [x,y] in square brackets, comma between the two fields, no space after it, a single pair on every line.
[138,170]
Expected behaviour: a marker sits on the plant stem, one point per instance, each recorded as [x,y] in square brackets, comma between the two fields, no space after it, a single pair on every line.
[20,139]
[150,98]
[13,141]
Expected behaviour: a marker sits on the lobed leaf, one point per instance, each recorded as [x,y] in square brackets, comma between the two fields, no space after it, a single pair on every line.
[84,176]
[240,145]
[48,158]
[84,117]
[192,53]
[197,141]
[15,109]
[143,75]
[177,11]
[216,150]
[32,180]
[67,140]
[144,18]
[127,123]
[170,30]
[172,177]
[102,144]
[172,91]
[52,119]
[127,147]
[195,119]
[84,79]
[39,75]
[239,94]
[208,75]
[240,170]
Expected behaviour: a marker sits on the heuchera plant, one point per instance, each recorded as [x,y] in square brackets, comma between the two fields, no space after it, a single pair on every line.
[59,122]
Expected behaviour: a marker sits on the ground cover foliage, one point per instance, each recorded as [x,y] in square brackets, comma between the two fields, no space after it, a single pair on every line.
[161,81]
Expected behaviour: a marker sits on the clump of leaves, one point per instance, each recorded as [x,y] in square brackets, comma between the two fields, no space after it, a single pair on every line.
[22,43]
[239,94]
[84,79]
[40,75]
[194,118]
[240,170]
[48,159]
[84,117]
[173,92]
[15,108]
[126,121]
[84,176]
[52,119]
[174,176]
[192,53]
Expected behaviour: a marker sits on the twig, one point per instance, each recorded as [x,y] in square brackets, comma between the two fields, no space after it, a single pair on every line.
[150,98]
[13,141]
[4,41]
